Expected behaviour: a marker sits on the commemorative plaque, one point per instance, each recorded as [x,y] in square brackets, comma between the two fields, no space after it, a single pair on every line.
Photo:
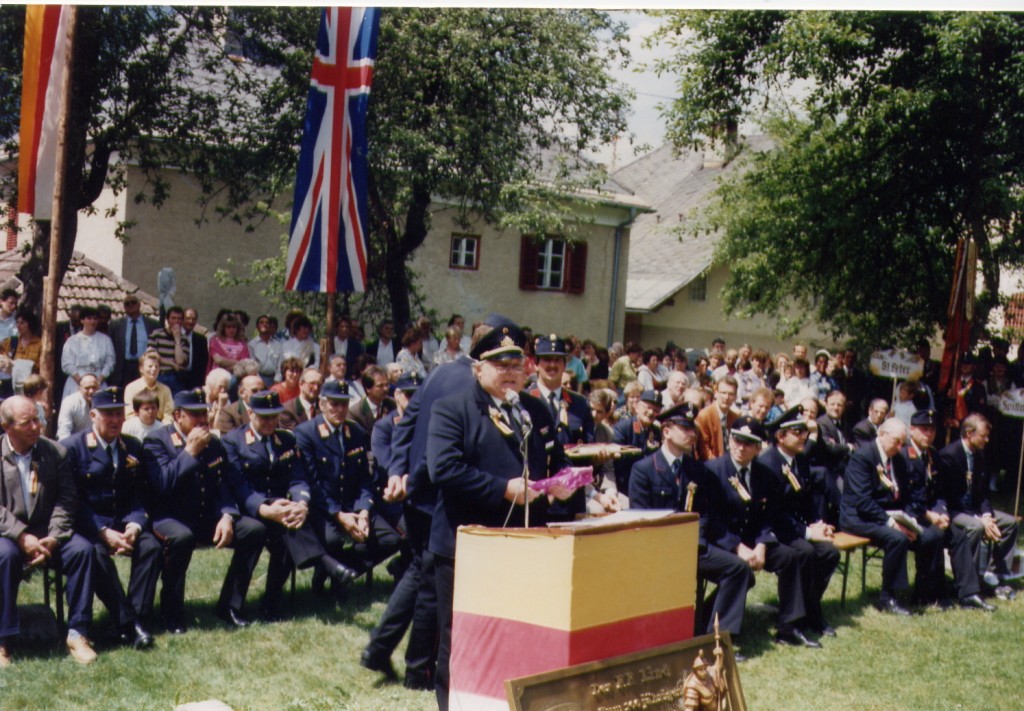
[699,673]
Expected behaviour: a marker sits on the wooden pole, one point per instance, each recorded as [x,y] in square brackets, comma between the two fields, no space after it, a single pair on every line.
[327,342]
[51,283]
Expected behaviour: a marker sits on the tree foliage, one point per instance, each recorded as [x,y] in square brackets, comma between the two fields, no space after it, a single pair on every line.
[896,135]
[464,105]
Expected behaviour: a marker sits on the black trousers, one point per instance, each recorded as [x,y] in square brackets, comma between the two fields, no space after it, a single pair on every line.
[818,560]
[733,578]
[413,601]
[896,545]
[137,604]
[444,582]
[179,541]
[784,561]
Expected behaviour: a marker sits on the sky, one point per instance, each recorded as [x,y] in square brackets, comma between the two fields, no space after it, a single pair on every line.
[645,121]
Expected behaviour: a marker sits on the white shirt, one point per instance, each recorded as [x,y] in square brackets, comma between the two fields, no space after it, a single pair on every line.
[74,415]
[269,355]
[87,354]
[137,429]
[302,350]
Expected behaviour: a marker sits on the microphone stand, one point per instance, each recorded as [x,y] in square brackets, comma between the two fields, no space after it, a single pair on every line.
[524,447]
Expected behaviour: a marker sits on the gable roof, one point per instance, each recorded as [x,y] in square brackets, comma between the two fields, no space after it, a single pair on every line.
[86,283]
[661,262]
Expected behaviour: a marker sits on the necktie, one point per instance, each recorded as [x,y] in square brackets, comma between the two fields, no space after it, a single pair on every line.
[842,440]
[745,476]
[895,485]
[270,448]
[110,457]
[677,465]
[513,422]
[554,406]
[133,342]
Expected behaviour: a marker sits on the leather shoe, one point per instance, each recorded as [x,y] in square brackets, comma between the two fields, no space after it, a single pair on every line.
[974,602]
[6,660]
[232,618]
[893,607]
[825,629]
[795,638]
[81,651]
[418,682]
[378,664]
[137,636]
[342,576]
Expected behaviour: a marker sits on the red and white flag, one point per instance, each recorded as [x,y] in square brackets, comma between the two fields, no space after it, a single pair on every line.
[43,62]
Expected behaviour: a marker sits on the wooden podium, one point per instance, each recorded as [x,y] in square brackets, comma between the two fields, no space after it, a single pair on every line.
[531,600]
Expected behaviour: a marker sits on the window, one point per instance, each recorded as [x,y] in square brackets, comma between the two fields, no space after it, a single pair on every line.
[699,289]
[465,252]
[552,264]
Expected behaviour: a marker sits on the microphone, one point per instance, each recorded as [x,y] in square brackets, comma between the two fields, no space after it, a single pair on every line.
[512,398]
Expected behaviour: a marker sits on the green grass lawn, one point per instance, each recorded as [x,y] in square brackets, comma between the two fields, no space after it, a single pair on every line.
[936,660]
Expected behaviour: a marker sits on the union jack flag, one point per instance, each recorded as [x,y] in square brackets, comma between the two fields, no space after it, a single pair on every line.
[330,218]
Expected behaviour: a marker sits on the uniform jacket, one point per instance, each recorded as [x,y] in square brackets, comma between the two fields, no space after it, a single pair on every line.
[737,521]
[108,496]
[51,510]
[284,478]
[630,432]
[955,495]
[922,478]
[339,472]
[800,505]
[409,440]
[197,491]
[575,423]
[471,458]
[653,486]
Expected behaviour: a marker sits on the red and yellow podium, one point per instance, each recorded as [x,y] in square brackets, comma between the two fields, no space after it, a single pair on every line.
[532,600]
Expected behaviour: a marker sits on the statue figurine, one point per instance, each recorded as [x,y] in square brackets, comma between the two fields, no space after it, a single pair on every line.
[705,688]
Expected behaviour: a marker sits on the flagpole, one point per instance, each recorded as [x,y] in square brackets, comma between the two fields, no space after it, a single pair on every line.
[51,283]
[327,344]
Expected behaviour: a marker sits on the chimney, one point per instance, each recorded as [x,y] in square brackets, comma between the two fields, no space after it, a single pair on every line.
[722,147]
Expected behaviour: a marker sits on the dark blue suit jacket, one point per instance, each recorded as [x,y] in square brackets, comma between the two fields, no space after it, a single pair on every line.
[797,509]
[338,472]
[471,462]
[282,479]
[737,521]
[955,496]
[194,490]
[652,486]
[409,440]
[630,432]
[108,496]
[865,497]
[578,427]
[923,488]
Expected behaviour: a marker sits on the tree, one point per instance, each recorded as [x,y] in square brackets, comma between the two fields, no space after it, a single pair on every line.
[896,135]
[214,91]
[464,105]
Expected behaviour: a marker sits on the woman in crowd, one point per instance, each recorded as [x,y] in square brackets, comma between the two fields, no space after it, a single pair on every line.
[409,357]
[602,495]
[88,351]
[288,388]
[452,347]
[228,346]
[26,345]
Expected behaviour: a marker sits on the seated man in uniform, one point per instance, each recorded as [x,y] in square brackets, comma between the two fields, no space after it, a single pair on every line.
[112,486]
[801,522]
[672,478]
[641,431]
[194,500]
[269,460]
[748,523]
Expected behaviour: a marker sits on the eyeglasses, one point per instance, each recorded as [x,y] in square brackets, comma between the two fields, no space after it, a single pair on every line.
[513,367]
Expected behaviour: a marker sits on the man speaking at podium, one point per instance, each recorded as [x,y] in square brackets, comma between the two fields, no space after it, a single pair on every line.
[479,443]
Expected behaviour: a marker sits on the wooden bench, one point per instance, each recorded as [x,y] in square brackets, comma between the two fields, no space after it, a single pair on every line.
[846,543]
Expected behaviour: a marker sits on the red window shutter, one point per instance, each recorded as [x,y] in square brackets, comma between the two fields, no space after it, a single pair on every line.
[528,255]
[576,279]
